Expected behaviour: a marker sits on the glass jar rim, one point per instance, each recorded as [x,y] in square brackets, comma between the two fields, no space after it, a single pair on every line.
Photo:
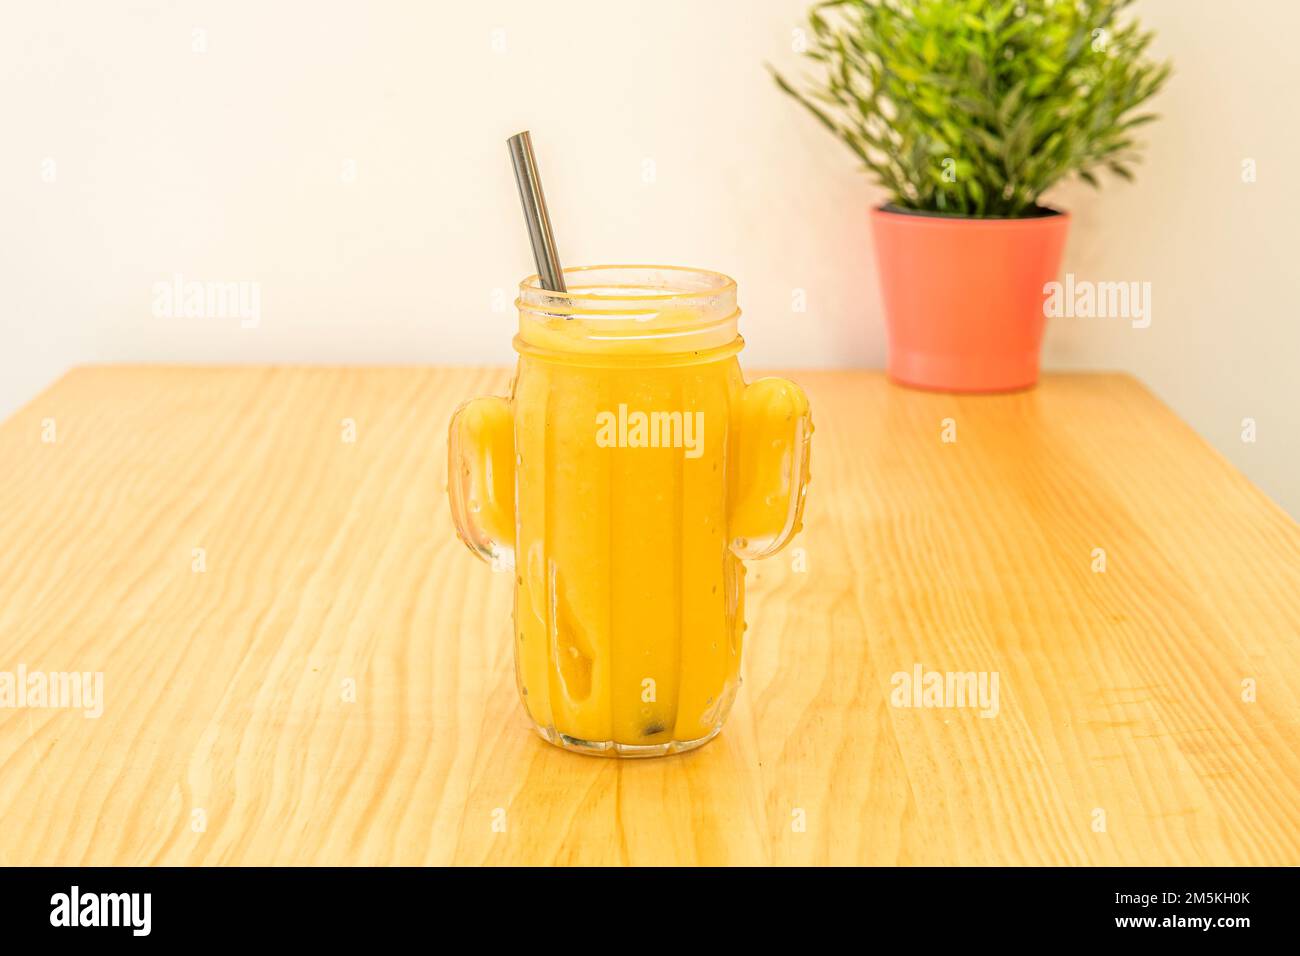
[707,285]
[637,313]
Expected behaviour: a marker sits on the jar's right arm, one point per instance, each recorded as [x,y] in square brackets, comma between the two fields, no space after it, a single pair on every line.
[481,478]
[775,435]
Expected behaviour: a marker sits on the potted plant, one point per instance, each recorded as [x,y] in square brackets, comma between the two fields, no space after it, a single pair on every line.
[968,111]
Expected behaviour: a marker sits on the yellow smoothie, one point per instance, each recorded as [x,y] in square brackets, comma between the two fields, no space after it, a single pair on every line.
[636,494]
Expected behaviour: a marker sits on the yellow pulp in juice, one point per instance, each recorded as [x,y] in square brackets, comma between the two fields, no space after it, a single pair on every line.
[628,599]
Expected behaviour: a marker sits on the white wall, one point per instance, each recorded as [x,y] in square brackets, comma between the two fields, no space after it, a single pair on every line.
[229,165]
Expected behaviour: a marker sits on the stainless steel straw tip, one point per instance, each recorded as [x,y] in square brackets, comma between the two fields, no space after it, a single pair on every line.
[535,213]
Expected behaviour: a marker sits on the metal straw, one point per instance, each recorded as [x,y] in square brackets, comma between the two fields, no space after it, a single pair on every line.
[539,222]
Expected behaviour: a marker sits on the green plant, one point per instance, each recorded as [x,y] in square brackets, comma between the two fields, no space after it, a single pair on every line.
[977,107]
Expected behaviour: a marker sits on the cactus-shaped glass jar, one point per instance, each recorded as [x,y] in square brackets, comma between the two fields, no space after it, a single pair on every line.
[623,482]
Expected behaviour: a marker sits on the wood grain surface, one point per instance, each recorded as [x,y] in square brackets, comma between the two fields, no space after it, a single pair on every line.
[1125,733]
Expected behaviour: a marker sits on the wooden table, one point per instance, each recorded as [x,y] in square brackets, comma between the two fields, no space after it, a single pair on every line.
[1124,732]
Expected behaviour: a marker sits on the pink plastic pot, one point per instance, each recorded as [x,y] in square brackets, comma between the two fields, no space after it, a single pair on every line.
[964,297]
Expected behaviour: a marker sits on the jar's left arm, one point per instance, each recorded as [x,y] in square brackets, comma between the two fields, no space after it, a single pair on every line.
[481,478]
[775,435]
